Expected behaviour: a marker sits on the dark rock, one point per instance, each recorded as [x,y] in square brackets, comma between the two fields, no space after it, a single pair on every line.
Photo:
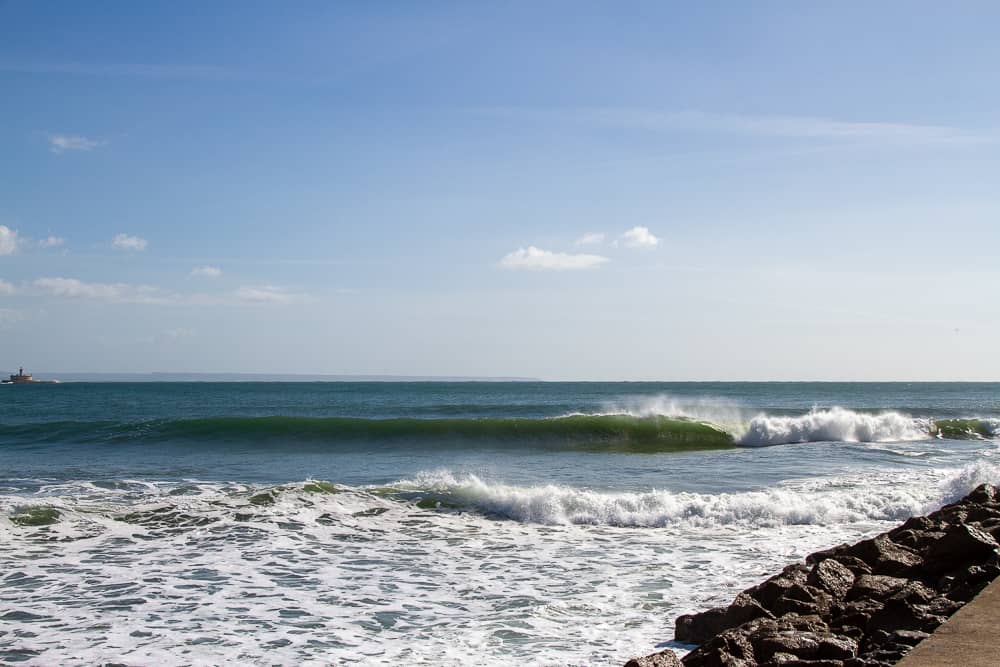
[979,513]
[917,523]
[983,494]
[915,592]
[837,648]
[665,659]
[728,649]
[698,628]
[855,565]
[770,590]
[831,576]
[960,545]
[875,586]
[803,600]
[918,540]
[886,557]
[799,644]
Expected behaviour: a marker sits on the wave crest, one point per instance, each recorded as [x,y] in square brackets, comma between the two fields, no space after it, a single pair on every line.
[834,424]
[831,503]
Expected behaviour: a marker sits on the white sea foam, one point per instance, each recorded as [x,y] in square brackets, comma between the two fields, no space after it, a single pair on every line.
[836,425]
[875,497]
[724,413]
[151,573]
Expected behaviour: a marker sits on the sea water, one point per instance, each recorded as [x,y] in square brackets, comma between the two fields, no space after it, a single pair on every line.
[441,523]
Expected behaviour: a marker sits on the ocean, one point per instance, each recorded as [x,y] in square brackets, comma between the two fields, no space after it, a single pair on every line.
[441,523]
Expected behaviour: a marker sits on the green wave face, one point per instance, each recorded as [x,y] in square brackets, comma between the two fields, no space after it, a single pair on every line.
[962,429]
[618,432]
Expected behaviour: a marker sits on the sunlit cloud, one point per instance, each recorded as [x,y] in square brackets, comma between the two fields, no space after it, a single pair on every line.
[51,242]
[72,288]
[536,259]
[9,240]
[59,143]
[639,237]
[206,272]
[126,242]
[267,294]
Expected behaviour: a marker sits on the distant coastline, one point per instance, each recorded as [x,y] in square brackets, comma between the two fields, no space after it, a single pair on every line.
[273,377]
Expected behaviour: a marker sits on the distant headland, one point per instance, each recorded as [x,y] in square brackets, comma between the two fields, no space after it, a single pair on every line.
[276,377]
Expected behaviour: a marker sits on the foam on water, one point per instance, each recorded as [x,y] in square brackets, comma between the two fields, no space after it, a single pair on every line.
[833,501]
[211,573]
[833,425]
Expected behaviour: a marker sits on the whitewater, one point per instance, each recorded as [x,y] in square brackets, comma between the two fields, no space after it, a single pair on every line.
[442,523]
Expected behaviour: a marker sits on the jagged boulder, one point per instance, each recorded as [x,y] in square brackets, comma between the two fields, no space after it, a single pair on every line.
[960,545]
[833,577]
[663,659]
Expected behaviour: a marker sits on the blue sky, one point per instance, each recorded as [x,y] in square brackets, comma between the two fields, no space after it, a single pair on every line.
[560,190]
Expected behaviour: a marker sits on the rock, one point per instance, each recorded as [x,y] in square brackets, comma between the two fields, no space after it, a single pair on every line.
[831,576]
[770,590]
[908,637]
[837,648]
[918,540]
[875,586]
[664,659]
[915,592]
[960,545]
[803,600]
[799,644]
[855,565]
[886,557]
[983,494]
[728,649]
[698,628]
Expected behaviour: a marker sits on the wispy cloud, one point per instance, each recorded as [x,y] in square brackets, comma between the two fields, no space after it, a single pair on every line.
[536,259]
[267,294]
[787,126]
[6,289]
[60,143]
[126,242]
[72,288]
[206,272]
[9,240]
[51,242]
[591,238]
[639,237]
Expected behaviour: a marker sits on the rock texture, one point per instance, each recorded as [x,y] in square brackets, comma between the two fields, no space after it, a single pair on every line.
[855,605]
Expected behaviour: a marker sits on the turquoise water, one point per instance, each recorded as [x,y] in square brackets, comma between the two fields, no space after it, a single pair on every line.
[509,523]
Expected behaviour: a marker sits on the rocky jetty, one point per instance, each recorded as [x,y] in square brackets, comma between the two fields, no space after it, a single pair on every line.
[855,605]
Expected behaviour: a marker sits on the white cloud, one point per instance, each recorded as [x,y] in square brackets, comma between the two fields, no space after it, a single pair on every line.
[591,238]
[536,259]
[6,288]
[59,143]
[639,237]
[792,127]
[9,240]
[267,294]
[51,242]
[206,271]
[126,242]
[71,288]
